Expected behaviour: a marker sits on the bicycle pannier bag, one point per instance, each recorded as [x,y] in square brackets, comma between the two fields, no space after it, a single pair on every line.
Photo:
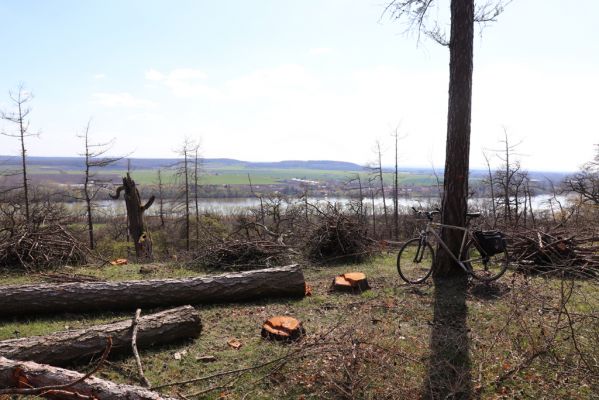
[491,242]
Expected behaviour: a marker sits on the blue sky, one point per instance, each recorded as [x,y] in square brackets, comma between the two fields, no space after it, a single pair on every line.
[273,80]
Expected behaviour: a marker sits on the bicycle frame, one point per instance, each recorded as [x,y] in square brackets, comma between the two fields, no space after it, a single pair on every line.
[428,229]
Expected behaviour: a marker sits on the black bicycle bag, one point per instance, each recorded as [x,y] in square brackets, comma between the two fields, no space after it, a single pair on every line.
[490,242]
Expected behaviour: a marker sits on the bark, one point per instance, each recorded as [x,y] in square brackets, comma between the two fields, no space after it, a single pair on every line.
[135,217]
[64,347]
[101,296]
[14,374]
[457,151]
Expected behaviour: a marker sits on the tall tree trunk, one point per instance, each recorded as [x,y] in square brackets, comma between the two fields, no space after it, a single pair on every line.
[195,197]
[382,182]
[161,199]
[23,131]
[186,170]
[88,200]
[135,216]
[395,193]
[457,153]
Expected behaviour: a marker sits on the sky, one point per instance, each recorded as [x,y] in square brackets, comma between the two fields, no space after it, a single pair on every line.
[269,80]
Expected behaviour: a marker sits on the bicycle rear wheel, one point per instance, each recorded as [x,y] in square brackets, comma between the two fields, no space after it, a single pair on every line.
[482,267]
[415,261]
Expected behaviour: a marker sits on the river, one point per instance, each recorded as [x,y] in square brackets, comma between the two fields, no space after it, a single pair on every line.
[228,206]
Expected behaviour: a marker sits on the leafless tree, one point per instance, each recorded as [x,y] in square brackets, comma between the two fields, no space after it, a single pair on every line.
[492,187]
[586,182]
[196,180]
[161,198]
[185,172]
[396,138]
[20,117]
[95,158]
[377,170]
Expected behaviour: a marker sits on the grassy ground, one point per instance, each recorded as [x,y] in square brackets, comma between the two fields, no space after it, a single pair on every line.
[372,345]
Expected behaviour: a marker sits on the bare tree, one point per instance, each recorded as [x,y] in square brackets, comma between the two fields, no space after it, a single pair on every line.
[19,117]
[586,182]
[185,172]
[396,138]
[491,186]
[161,198]
[378,171]
[94,158]
[196,179]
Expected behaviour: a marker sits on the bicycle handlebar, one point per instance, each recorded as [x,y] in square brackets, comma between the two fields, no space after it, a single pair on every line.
[427,214]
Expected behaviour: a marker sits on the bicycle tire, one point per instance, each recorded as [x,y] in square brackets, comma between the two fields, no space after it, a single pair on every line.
[484,270]
[411,269]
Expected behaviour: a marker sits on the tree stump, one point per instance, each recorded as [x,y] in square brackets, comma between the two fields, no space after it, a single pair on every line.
[282,328]
[135,212]
[351,282]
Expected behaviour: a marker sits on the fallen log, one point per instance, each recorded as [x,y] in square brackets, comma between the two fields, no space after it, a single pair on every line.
[95,296]
[61,348]
[27,374]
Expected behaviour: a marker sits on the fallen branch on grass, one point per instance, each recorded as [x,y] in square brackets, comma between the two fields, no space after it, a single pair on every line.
[135,327]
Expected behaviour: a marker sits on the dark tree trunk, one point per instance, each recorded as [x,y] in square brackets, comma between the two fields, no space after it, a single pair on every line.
[61,348]
[18,374]
[102,296]
[135,217]
[457,151]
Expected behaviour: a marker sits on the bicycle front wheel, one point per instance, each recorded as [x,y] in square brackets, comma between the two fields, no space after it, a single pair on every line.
[415,261]
[482,267]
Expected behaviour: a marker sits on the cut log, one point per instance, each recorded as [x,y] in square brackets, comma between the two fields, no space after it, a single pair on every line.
[282,328]
[351,281]
[20,374]
[61,348]
[95,296]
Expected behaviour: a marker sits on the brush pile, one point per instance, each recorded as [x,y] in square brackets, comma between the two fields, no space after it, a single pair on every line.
[338,237]
[536,251]
[238,255]
[42,248]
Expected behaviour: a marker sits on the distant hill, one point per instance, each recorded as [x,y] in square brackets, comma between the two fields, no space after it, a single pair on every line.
[218,164]
[77,163]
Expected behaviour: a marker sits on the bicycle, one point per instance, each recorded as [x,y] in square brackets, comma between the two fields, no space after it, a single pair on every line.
[484,256]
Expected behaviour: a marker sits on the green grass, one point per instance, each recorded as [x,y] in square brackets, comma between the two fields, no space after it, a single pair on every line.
[375,343]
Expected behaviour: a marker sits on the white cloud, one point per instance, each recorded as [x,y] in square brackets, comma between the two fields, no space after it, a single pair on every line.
[183,82]
[123,99]
[317,51]
[99,76]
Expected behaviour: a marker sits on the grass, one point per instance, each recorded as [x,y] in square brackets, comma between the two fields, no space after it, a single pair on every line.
[369,345]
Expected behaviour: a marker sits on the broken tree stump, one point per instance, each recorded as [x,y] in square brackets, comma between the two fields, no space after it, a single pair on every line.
[25,374]
[351,281]
[128,295]
[135,217]
[282,328]
[64,347]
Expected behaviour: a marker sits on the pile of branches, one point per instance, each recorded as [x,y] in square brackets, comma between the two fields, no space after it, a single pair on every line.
[536,251]
[338,237]
[239,254]
[41,248]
